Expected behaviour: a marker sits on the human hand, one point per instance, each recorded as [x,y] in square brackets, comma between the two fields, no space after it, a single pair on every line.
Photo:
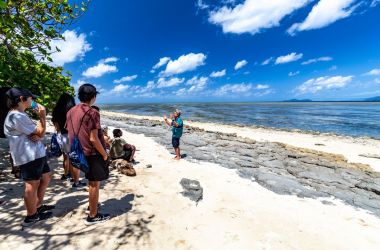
[165,118]
[41,110]
[34,138]
[105,157]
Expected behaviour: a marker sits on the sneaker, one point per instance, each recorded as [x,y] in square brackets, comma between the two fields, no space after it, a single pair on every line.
[79,185]
[65,177]
[45,208]
[99,218]
[30,220]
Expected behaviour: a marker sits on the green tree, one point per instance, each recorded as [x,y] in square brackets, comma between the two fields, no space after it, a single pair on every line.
[32,24]
[27,28]
[22,69]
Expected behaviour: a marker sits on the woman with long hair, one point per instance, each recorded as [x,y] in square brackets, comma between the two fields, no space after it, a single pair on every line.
[64,104]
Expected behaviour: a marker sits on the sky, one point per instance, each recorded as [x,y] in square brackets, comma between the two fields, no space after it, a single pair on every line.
[226,50]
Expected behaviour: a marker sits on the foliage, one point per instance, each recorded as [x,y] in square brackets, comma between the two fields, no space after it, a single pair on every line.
[24,71]
[32,24]
[27,28]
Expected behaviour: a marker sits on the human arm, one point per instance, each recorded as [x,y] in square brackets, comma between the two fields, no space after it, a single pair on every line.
[41,124]
[166,120]
[94,139]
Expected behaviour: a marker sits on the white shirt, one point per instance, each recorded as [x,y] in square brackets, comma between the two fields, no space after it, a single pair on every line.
[17,127]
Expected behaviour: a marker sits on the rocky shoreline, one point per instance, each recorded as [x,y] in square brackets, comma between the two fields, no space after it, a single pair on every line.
[278,167]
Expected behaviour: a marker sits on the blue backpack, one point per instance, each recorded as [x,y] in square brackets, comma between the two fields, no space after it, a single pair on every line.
[76,155]
[55,149]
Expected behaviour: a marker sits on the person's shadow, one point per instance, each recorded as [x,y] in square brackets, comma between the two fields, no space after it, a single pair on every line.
[117,207]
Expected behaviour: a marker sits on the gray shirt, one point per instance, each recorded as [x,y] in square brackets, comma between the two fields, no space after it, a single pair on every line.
[17,127]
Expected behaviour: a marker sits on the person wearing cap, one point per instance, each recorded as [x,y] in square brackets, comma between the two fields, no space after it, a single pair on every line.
[28,151]
[84,121]
[177,128]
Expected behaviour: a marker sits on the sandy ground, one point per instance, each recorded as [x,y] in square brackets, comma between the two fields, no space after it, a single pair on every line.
[351,148]
[149,212]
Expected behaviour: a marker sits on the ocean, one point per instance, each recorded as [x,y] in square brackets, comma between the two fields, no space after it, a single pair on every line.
[355,119]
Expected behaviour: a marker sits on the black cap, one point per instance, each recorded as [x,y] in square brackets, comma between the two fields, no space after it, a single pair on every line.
[88,89]
[17,92]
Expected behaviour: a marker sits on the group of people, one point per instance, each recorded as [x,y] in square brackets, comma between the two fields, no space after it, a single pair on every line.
[70,120]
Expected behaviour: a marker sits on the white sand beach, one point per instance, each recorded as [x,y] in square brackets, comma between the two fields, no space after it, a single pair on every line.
[149,212]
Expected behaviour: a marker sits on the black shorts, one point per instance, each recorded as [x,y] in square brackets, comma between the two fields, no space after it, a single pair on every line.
[33,171]
[175,142]
[99,170]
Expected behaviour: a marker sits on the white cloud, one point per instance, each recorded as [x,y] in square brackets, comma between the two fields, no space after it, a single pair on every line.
[197,83]
[262,86]
[315,60]
[240,88]
[109,60]
[120,88]
[373,72]
[267,61]
[252,16]
[216,74]
[172,82]
[74,47]
[315,85]
[99,70]
[126,79]
[81,82]
[293,73]
[374,3]
[201,5]
[323,14]
[240,64]
[161,62]
[377,80]
[184,63]
[292,57]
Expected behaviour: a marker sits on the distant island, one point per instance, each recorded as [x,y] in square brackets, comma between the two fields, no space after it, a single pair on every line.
[298,100]
[372,99]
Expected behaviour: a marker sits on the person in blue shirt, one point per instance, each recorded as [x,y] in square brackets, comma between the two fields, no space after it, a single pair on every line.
[177,128]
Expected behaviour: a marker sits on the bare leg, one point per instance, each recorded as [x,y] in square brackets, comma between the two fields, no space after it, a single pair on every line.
[133,151]
[30,197]
[177,153]
[130,148]
[93,197]
[44,182]
[66,164]
[76,174]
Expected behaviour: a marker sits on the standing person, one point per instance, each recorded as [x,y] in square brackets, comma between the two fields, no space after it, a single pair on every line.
[64,104]
[84,121]
[28,152]
[177,128]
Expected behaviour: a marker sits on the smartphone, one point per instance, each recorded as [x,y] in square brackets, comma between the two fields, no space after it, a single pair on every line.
[34,105]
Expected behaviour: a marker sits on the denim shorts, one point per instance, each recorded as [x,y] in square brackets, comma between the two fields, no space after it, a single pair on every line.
[33,171]
[175,142]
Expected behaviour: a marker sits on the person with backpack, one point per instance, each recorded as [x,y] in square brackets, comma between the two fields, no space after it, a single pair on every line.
[177,128]
[64,104]
[83,126]
[28,151]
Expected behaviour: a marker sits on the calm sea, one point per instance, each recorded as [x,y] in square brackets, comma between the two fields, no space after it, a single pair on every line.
[353,119]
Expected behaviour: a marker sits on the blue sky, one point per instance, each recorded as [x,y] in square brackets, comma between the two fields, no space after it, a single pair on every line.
[226,50]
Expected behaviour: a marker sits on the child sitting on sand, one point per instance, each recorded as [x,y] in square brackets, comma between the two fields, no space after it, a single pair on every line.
[120,149]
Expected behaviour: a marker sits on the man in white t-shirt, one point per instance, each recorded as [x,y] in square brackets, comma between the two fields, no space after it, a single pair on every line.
[28,152]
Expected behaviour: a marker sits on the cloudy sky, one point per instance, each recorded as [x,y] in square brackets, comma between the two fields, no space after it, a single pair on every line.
[225,50]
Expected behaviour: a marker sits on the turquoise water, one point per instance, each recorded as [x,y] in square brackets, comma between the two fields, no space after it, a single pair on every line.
[353,119]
